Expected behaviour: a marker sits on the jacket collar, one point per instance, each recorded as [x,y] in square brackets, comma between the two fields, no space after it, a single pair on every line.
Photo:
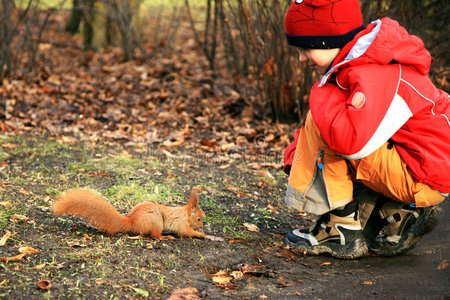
[358,49]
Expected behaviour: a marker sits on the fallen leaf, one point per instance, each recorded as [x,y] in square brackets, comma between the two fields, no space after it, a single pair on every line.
[68,140]
[214,238]
[38,267]
[254,270]
[283,282]
[443,265]
[5,203]
[251,227]
[208,143]
[139,291]
[242,194]
[221,279]
[4,281]
[17,217]
[366,282]
[13,258]
[27,250]
[237,275]
[76,244]
[236,241]
[24,192]
[277,235]
[189,293]
[227,146]
[198,189]
[272,209]
[136,237]
[10,146]
[325,263]
[99,281]
[98,174]
[262,297]
[287,254]
[5,238]
[44,284]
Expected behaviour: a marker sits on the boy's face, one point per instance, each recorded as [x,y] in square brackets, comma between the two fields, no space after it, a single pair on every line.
[319,59]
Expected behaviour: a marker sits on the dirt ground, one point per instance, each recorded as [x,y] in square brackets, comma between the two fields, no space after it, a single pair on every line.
[80,262]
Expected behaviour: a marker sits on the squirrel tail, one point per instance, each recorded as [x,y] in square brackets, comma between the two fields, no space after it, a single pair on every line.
[86,204]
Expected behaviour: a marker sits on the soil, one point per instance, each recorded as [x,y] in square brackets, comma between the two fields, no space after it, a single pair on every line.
[81,262]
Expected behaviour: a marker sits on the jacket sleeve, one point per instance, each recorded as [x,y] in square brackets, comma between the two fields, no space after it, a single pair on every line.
[359,115]
[289,153]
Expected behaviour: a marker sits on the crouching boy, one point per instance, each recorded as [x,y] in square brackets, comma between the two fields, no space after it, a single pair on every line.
[373,157]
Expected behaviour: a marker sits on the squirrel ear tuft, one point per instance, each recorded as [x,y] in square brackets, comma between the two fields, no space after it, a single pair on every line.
[193,199]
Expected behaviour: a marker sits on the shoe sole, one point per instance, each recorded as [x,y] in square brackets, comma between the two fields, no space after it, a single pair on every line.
[354,250]
[425,223]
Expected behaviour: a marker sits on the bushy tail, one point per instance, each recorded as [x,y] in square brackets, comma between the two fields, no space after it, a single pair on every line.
[86,204]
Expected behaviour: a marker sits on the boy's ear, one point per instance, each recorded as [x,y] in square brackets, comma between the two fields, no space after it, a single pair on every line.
[193,200]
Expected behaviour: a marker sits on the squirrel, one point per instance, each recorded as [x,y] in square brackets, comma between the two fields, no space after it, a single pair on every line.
[146,218]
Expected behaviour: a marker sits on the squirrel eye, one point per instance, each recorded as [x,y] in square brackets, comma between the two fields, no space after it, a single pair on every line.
[198,219]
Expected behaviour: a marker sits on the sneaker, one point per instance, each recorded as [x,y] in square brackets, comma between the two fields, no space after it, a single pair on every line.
[403,227]
[339,236]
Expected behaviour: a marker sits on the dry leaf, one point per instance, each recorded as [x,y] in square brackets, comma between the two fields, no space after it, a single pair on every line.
[227,146]
[237,275]
[27,250]
[38,267]
[214,238]
[13,258]
[251,227]
[283,282]
[68,140]
[366,282]
[272,209]
[137,237]
[5,238]
[221,279]
[10,146]
[17,217]
[44,284]
[242,194]
[98,174]
[24,192]
[327,263]
[4,281]
[236,241]
[5,203]
[253,270]
[76,244]
[443,265]
[189,293]
[208,143]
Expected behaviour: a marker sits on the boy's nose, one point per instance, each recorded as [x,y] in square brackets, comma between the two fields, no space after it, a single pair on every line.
[302,57]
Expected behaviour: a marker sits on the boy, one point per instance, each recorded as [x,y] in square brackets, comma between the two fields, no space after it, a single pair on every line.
[377,135]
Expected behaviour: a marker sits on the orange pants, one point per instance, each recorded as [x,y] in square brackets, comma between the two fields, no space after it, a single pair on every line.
[319,172]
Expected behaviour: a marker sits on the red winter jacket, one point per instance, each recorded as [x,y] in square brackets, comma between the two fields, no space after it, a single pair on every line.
[378,90]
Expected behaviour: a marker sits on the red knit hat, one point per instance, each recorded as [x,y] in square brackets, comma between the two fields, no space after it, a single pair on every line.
[322,24]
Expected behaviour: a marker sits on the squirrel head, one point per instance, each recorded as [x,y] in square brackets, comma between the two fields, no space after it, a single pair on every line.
[195,213]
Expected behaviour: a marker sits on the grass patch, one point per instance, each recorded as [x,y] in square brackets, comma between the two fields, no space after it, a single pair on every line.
[83,262]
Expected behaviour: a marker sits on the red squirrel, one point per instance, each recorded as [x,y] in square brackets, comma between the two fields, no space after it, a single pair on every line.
[146,218]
